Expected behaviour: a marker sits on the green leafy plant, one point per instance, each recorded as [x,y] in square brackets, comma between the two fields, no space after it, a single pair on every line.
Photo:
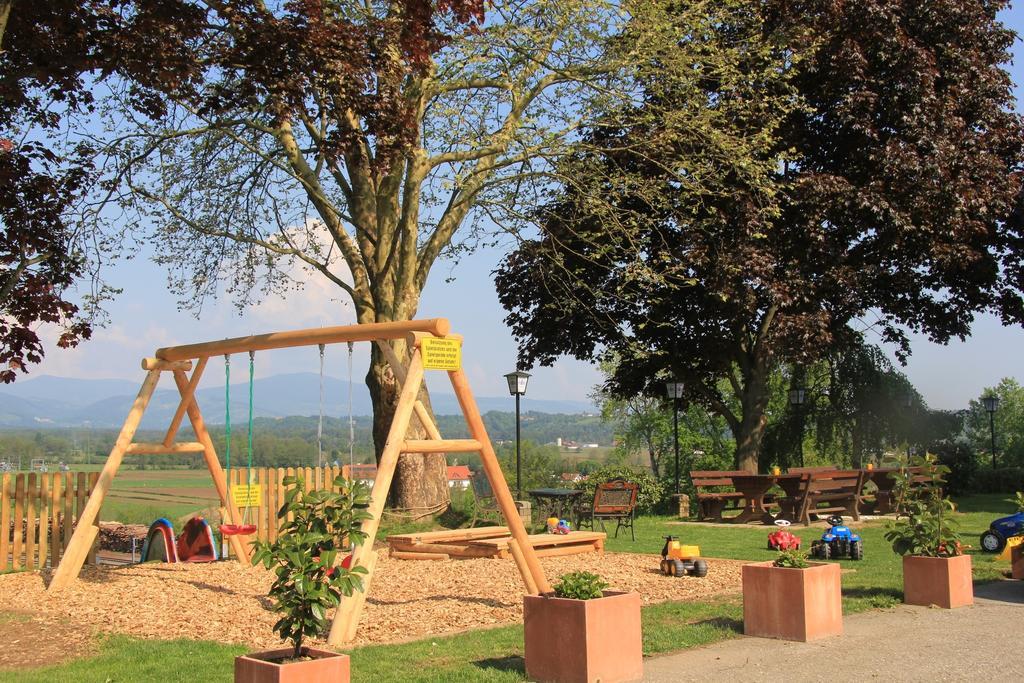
[580,586]
[1018,500]
[313,527]
[924,525]
[792,559]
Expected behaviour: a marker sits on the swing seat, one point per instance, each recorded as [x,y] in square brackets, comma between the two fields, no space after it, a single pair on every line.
[237,529]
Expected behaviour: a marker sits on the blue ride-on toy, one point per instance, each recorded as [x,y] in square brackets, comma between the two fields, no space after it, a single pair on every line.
[838,542]
[994,540]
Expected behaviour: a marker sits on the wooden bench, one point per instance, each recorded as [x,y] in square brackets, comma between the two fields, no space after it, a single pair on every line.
[829,492]
[711,504]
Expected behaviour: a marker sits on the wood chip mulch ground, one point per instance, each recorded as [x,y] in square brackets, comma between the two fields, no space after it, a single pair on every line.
[226,601]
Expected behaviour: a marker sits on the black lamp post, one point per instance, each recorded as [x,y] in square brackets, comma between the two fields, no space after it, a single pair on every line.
[517,387]
[797,396]
[674,390]
[991,403]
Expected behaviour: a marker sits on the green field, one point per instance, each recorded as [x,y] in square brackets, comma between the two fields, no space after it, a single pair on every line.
[140,496]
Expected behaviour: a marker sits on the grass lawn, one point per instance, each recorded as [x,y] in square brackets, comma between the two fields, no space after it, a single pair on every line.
[496,654]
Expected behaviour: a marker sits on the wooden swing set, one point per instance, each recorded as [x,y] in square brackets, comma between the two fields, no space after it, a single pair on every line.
[432,347]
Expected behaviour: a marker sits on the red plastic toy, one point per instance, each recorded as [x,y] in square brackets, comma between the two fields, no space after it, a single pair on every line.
[782,538]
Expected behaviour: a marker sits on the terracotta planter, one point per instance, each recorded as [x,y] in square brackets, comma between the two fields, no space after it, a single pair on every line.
[261,667]
[792,604]
[942,581]
[583,641]
[1017,562]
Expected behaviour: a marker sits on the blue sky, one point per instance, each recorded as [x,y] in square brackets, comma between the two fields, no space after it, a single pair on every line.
[145,317]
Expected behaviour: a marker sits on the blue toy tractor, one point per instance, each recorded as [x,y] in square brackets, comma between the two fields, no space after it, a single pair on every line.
[994,540]
[838,542]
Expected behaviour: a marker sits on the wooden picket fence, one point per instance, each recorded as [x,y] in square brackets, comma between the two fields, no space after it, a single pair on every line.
[269,479]
[38,513]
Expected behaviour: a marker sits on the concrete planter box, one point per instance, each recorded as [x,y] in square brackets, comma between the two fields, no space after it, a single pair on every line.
[263,667]
[1017,562]
[942,581]
[792,604]
[583,641]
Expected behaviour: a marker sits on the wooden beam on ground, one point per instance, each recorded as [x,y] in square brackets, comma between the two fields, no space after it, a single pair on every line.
[452,535]
[441,446]
[195,417]
[157,364]
[497,480]
[449,549]
[346,617]
[186,400]
[319,335]
[402,555]
[81,540]
[159,448]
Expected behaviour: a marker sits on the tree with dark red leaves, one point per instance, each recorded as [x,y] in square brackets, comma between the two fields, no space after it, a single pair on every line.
[881,199]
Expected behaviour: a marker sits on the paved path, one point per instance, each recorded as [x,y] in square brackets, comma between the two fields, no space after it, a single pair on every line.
[980,643]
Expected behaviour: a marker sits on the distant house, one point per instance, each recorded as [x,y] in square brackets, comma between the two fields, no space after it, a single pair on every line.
[458,476]
[573,477]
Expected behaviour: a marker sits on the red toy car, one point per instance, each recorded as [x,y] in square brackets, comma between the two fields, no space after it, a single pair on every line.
[782,538]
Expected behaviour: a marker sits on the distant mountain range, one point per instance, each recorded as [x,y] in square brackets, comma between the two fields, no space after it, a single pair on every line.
[48,401]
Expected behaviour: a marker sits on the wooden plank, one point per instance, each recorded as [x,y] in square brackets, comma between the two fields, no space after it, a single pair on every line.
[452,534]
[281,474]
[44,519]
[540,540]
[78,547]
[68,528]
[402,555]
[19,514]
[5,519]
[272,480]
[318,335]
[261,511]
[346,618]
[499,486]
[186,400]
[441,446]
[157,364]
[565,550]
[161,449]
[450,549]
[56,542]
[291,473]
[93,479]
[31,502]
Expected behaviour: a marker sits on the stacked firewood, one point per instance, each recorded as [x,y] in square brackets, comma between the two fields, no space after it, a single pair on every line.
[118,537]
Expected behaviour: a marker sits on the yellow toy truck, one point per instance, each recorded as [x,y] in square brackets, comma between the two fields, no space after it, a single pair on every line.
[682,560]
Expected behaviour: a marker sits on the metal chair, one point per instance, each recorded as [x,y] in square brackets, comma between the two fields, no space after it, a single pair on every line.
[485,504]
[615,499]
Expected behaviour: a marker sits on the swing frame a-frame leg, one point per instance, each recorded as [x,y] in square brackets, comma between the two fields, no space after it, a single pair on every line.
[86,528]
[346,618]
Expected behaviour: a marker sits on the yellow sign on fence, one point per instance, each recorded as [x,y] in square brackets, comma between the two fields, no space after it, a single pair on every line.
[441,354]
[246,496]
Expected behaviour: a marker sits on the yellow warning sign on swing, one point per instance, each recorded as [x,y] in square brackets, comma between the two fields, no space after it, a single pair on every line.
[441,354]
[246,496]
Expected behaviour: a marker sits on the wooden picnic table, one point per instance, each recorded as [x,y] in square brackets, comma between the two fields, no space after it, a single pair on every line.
[755,487]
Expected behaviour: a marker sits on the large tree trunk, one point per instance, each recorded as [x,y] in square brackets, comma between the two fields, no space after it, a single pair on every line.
[753,422]
[420,487]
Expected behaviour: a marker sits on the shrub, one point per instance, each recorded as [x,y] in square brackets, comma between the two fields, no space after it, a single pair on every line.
[792,559]
[962,463]
[580,586]
[303,557]
[924,527]
[650,494]
[1003,480]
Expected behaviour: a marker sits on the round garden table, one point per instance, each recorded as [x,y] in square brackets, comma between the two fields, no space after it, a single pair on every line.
[561,503]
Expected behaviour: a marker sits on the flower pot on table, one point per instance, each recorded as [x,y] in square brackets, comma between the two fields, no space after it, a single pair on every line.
[583,641]
[323,666]
[1017,562]
[942,581]
[792,604]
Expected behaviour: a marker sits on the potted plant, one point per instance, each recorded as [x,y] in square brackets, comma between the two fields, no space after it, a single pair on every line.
[583,633]
[935,569]
[310,580]
[792,599]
